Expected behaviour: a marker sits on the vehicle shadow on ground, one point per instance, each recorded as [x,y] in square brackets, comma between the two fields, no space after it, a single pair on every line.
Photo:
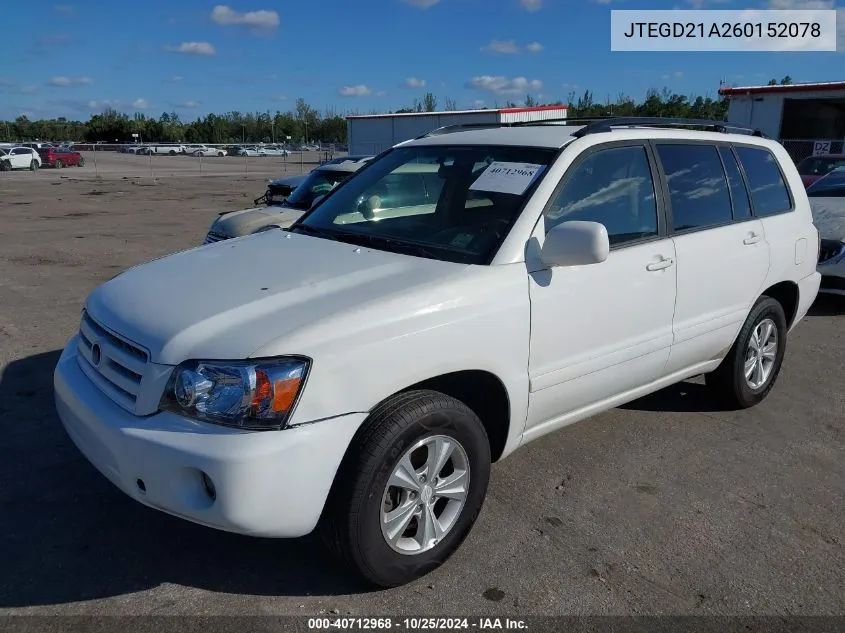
[827,305]
[69,535]
[683,397]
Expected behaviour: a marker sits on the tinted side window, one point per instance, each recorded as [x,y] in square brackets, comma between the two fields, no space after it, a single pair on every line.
[768,190]
[698,188]
[739,194]
[611,186]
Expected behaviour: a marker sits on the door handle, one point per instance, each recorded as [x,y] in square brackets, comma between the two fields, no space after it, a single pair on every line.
[663,263]
[751,239]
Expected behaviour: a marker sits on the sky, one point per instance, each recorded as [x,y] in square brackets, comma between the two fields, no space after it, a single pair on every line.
[77,57]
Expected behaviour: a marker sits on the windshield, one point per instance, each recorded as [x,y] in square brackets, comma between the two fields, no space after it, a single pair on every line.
[820,165]
[453,203]
[318,183]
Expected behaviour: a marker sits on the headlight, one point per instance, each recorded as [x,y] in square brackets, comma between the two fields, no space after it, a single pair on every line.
[257,395]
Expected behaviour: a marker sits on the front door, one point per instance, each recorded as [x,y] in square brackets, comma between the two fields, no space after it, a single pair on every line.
[602,330]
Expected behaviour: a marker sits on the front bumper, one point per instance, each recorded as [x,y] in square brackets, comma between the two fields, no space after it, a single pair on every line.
[267,483]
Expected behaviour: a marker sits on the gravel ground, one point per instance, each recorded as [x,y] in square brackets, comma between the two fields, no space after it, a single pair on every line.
[664,506]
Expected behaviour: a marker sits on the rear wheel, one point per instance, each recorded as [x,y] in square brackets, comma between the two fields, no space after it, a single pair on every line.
[33,165]
[410,488]
[81,163]
[748,373]
[5,165]
[172,152]
[59,164]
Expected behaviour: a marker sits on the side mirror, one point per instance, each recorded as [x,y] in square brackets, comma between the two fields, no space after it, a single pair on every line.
[576,244]
[317,201]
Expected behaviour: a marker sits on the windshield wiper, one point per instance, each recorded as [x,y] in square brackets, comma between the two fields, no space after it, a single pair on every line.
[387,242]
[314,230]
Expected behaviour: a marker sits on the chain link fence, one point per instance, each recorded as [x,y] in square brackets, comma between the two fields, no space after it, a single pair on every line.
[149,160]
[799,149]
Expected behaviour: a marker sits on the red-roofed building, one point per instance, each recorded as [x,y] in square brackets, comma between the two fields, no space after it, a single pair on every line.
[374,133]
[805,111]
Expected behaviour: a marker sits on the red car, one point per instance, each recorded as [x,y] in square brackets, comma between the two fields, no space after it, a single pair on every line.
[814,167]
[59,157]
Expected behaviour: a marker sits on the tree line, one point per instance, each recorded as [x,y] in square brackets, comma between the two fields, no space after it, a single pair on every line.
[305,123]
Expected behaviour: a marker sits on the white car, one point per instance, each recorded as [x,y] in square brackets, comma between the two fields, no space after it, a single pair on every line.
[208,151]
[274,150]
[360,372]
[171,150]
[827,200]
[252,151]
[19,158]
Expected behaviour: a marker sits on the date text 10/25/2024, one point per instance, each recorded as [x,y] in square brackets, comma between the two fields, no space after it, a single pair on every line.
[416,624]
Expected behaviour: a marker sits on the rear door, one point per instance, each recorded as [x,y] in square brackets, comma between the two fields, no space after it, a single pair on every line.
[722,253]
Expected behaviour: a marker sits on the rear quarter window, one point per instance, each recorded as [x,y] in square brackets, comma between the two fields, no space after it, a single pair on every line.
[769,192]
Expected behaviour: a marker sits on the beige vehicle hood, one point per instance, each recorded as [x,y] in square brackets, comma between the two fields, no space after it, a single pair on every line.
[248,221]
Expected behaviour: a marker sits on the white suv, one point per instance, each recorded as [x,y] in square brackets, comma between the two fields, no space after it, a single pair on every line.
[459,296]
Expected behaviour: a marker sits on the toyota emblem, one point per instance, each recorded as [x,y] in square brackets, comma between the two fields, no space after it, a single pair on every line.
[95,354]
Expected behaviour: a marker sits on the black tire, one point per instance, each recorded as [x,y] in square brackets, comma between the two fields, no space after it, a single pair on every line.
[172,152]
[728,383]
[350,525]
[5,165]
[58,164]
[33,165]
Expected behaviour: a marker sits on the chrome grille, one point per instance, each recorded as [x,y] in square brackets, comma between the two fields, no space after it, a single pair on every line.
[116,366]
[211,238]
[830,249]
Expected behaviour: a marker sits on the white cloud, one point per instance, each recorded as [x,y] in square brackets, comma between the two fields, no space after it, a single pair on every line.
[531,5]
[422,4]
[189,104]
[413,82]
[141,104]
[192,48]
[280,98]
[221,14]
[64,82]
[534,47]
[93,106]
[354,91]
[381,93]
[508,47]
[503,86]
[176,79]
[478,104]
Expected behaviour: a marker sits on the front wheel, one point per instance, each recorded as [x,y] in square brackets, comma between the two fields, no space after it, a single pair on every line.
[172,152]
[33,166]
[749,371]
[410,488]
[58,164]
[5,165]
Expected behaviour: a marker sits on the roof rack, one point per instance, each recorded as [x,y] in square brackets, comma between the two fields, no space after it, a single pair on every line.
[594,125]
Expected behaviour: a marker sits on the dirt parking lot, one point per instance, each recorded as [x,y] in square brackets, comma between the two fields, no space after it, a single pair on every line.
[666,506]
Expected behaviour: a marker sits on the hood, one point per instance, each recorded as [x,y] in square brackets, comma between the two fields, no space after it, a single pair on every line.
[829,217]
[248,221]
[291,181]
[226,300]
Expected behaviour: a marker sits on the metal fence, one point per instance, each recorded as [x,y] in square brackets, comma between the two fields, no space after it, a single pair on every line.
[117,160]
[799,149]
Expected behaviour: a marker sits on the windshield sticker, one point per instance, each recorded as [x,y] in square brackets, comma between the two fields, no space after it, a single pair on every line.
[504,177]
[462,240]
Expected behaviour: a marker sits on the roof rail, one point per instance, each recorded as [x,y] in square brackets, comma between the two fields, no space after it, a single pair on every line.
[594,125]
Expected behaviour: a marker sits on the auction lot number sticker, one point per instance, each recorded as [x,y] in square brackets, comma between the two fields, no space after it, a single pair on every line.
[723,30]
[417,624]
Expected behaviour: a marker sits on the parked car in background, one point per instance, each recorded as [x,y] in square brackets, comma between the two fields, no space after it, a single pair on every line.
[827,200]
[814,167]
[207,151]
[171,150]
[251,150]
[19,158]
[346,159]
[275,150]
[284,201]
[59,157]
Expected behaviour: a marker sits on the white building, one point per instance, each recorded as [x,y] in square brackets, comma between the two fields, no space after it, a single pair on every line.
[811,111]
[374,133]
